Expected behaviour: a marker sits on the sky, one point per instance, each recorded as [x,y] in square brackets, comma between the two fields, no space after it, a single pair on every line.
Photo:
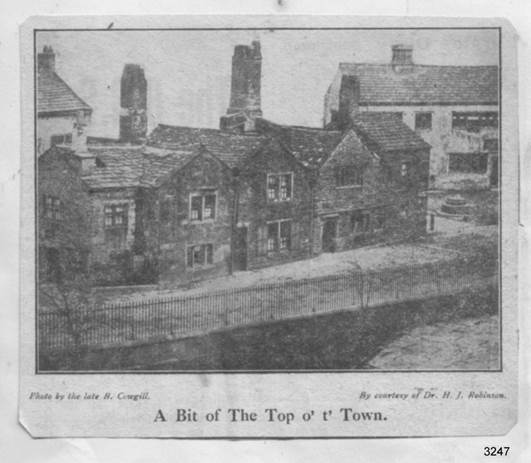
[188,72]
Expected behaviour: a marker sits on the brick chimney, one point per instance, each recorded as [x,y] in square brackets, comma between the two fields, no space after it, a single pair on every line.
[46,59]
[133,103]
[245,100]
[402,59]
[349,96]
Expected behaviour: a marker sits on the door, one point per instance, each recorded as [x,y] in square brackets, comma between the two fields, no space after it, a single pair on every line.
[329,235]
[240,248]
[494,173]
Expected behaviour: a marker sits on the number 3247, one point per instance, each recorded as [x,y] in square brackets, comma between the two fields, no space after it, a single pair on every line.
[495,451]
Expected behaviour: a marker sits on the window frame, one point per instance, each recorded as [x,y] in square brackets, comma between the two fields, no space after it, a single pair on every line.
[277,198]
[54,210]
[66,139]
[277,247]
[203,196]
[116,233]
[124,214]
[468,116]
[489,141]
[207,251]
[421,114]
[366,222]
[460,158]
[339,173]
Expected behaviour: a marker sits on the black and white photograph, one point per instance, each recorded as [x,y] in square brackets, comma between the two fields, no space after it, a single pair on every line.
[268,200]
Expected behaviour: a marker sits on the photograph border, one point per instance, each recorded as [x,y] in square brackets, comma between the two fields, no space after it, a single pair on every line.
[277,371]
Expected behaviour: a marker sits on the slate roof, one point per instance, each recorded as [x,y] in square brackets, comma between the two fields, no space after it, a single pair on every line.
[425,84]
[231,148]
[133,166]
[55,95]
[387,132]
[311,147]
[354,147]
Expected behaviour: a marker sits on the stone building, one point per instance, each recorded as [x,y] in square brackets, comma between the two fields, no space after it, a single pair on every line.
[367,182]
[453,108]
[189,203]
[62,116]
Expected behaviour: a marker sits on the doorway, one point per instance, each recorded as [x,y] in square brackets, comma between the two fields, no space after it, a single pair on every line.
[240,248]
[493,180]
[329,235]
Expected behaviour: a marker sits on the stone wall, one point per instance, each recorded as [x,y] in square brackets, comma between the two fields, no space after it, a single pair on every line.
[257,210]
[170,231]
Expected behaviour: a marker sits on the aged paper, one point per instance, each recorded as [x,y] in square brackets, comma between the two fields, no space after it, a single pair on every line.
[268,227]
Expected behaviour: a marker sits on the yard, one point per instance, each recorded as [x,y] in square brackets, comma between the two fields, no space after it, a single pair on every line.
[462,239]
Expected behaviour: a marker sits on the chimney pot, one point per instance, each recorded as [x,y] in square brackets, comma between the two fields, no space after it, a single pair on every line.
[46,59]
[245,101]
[133,102]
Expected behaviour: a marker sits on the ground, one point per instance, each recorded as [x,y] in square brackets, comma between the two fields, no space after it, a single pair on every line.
[470,344]
[455,241]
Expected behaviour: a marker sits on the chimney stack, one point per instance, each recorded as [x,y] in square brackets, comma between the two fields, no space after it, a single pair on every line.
[133,103]
[402,59]
[46,59]
[245,100]
[349,96]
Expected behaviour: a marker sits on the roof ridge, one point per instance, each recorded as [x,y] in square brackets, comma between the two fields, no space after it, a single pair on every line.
[390,65]
[313,129]
[210,129]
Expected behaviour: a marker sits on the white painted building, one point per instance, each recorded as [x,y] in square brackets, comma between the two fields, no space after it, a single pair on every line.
[453,108]
[62,116]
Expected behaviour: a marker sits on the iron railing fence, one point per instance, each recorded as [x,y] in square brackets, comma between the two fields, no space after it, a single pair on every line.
[120,323]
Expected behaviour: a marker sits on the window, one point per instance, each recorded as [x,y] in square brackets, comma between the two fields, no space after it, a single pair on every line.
[52,207]
[199,255]
[423,121]
[116,215]
[360,221]
[62,139]
[348,176]
[278,235]
[490,145]
[115,222]
[203,207]
[279,187]
[474,121]
[209,206]
[468,162]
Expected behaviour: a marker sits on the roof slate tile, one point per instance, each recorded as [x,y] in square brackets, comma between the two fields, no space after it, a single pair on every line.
[380,84]
[55,95]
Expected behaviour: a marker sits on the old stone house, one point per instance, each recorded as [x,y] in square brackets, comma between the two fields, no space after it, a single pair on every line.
[453,108]
[367,182]
[62,116]
[186,203]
